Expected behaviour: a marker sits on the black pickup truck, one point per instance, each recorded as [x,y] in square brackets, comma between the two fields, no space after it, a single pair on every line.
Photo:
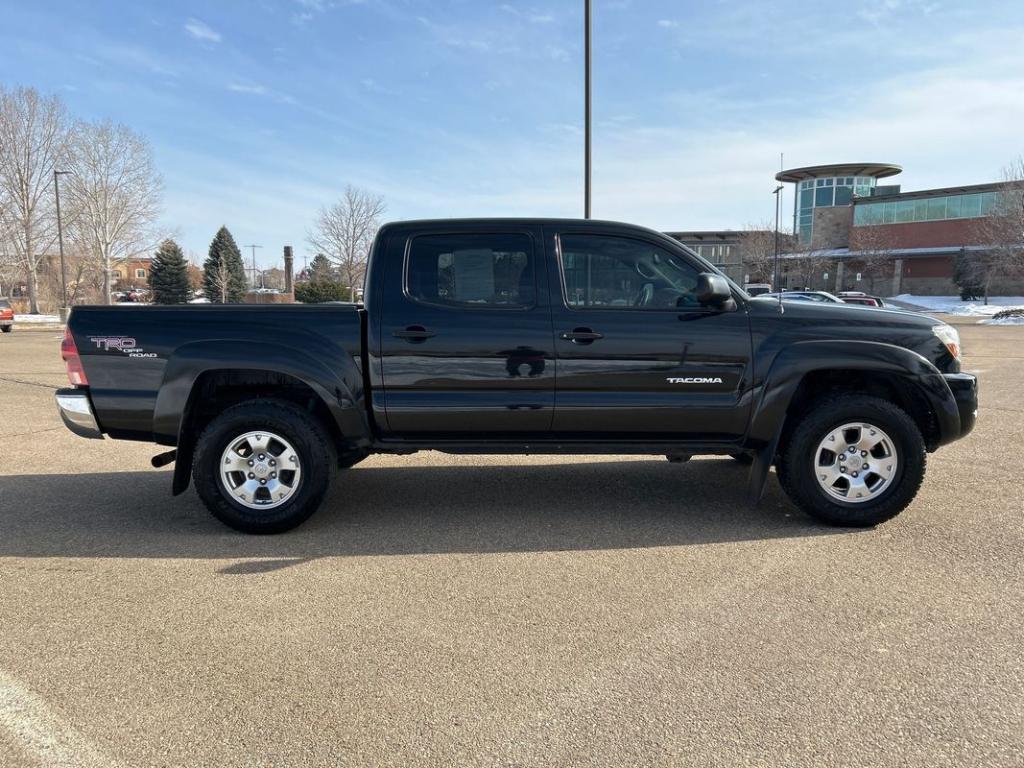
[524,336]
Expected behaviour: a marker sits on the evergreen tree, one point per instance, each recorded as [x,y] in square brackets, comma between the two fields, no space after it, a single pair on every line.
[223,272]
[320,268]
[168,276]
[966,275]
[317,291]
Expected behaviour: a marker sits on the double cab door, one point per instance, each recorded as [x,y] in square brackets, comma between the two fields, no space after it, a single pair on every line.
[557,333]
[465,333]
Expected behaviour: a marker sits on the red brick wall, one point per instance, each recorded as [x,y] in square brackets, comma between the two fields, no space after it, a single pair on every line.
[918,234]
[932,266]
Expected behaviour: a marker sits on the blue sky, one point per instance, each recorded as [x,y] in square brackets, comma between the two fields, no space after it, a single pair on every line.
[259,112]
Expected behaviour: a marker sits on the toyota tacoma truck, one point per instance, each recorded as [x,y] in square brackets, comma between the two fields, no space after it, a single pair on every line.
[523,336]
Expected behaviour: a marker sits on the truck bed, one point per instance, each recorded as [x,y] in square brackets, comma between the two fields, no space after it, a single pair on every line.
[140,360]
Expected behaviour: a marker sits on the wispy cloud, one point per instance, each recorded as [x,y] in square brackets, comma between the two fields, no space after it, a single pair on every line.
[254,88]
[668,23]
[202,31]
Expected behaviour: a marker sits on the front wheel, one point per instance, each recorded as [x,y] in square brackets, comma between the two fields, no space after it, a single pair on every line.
[853,460]
[263,466]
[7,328]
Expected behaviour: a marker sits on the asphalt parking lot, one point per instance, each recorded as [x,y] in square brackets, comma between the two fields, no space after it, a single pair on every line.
[506,611]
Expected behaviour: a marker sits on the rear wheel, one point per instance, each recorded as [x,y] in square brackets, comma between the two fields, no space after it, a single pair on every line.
[853,460]
[7,328]
[263,466]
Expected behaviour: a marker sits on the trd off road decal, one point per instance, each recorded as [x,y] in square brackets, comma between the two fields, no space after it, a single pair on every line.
[123,344]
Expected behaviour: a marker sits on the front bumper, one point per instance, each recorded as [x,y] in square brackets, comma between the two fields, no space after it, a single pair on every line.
[964,387]
[76,411]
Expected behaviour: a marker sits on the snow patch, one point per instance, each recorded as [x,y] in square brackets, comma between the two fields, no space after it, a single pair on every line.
[952,305]
[41,319]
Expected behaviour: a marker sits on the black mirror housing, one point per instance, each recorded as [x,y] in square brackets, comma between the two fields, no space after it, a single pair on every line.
[712,290]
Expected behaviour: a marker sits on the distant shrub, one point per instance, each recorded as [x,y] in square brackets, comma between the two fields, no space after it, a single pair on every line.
[319,291]
[1006,314]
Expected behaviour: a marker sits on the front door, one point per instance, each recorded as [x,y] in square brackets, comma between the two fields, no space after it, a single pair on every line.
[638,356]
[466,343]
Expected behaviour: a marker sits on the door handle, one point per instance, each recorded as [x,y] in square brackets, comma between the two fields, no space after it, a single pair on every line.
[582,336]
[414,333]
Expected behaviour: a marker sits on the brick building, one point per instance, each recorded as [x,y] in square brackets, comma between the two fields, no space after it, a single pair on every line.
[861,234]
[725,248]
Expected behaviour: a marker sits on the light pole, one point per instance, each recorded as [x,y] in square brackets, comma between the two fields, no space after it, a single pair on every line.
[586,109]
[254,247]
[60,240]
[775,279]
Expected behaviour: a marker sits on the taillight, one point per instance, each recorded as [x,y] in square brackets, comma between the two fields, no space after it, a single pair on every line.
[68,351]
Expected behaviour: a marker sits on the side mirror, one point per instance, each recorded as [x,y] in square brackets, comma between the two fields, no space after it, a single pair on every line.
[712,290]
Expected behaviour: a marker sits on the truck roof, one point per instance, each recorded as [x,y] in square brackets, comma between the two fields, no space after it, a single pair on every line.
[520,221]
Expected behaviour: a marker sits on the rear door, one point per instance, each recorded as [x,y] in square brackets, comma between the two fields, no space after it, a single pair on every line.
[465,333]
[638,356]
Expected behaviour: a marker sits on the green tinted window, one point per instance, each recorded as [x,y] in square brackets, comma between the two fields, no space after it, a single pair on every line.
[971,206]
[822,197]
[936,208]
[843,195]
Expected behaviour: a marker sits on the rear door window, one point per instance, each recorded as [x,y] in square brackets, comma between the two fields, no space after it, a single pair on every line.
[472,270]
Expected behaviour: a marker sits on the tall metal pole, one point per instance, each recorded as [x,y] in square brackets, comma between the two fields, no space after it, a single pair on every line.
[586,109]
[60,241]
[254,247]
[775,280]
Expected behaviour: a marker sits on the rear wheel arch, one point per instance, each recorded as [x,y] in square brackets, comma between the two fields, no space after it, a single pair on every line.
[215,390]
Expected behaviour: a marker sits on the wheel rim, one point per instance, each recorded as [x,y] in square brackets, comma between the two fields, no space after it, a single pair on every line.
[855,462]
[260,470]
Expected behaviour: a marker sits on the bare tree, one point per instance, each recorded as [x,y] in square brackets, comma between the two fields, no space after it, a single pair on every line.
[344,233]
[34,132]
[115,194]
[875,257]
[218,277]
[805,268]
[1002,231]
[757,252]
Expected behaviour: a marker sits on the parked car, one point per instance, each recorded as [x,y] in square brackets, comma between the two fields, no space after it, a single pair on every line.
[822,297]
[523,336]
[864,300]
[757,289]
[6,315]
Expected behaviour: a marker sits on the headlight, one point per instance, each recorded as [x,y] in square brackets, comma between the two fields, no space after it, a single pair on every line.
[948,335]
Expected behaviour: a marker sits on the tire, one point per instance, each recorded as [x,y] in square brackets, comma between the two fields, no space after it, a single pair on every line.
[743,458]
[302,491]
[804,469]
[7,328]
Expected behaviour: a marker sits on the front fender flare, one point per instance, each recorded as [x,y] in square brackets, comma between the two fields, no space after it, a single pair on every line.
[797,360]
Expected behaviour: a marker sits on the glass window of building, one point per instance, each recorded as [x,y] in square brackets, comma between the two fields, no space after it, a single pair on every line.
[938,208]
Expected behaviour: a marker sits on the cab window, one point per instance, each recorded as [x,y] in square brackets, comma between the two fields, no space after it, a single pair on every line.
[472,270]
